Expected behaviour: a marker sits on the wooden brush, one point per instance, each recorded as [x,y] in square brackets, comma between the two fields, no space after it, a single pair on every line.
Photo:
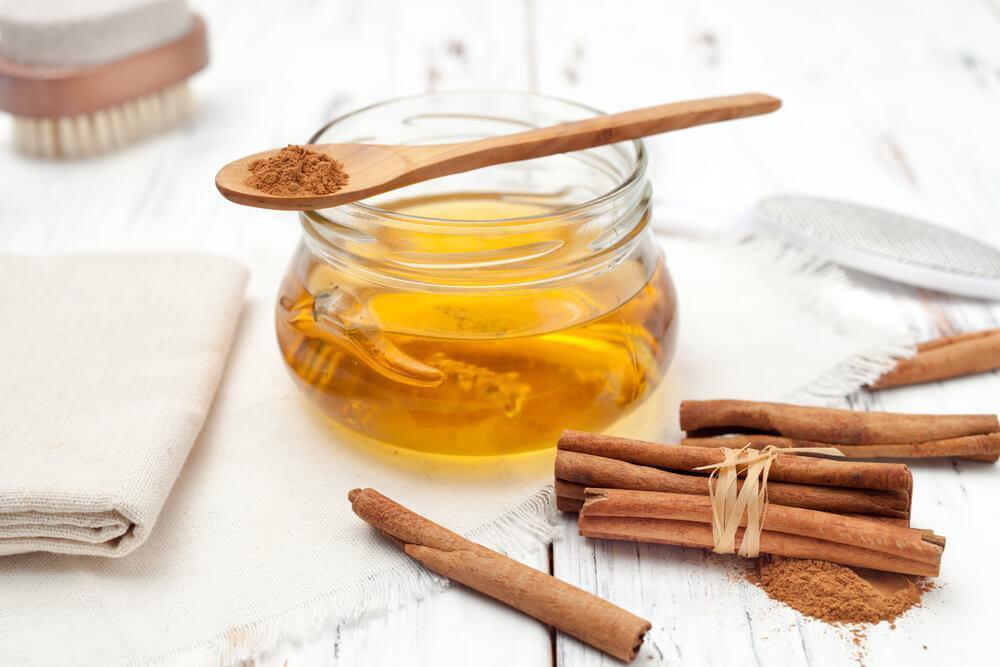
[85,78]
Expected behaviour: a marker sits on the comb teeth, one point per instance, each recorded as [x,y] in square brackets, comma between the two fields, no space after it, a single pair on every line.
[104,130]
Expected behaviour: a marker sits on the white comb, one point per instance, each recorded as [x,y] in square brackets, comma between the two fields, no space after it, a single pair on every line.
[886,244]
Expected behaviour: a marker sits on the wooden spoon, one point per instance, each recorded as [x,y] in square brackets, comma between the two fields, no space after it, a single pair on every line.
[377,168]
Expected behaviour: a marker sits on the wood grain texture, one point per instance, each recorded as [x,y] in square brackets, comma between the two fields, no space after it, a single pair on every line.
[892,104]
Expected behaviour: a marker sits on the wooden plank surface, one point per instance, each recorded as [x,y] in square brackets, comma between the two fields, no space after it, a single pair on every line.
[893,103]
[453,627]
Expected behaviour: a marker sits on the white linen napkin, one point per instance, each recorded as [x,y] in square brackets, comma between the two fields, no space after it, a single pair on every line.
[258,542]
[108,365]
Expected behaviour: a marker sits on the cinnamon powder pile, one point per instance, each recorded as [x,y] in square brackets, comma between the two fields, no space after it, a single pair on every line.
[837,594]
[296,171]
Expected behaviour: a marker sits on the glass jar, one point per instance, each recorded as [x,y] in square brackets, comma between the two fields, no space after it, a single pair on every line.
[485,312]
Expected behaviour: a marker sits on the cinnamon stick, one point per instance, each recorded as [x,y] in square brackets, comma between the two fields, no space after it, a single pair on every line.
[573,505]
[570,497]
[895,521]
[901,541]
[686,521]
[699,535]
[946,357]
[598,471]
[797,469]
[570,609]
[829,424]
[570,490]
[570,505]
[971,447]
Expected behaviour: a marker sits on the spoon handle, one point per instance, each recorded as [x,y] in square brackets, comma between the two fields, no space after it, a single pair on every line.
[598,131]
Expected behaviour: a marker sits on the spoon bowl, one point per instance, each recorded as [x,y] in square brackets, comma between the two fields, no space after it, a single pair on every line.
[371,168]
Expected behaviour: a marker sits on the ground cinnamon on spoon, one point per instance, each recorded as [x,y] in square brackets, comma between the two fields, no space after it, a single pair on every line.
[295,170]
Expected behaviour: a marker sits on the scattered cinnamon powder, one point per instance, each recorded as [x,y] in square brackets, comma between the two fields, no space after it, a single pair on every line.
[296,171]
[837,594]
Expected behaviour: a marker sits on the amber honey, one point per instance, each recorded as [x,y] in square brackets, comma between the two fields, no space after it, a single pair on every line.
[476,370]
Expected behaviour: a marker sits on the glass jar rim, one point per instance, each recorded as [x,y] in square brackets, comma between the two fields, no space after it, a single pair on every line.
[634,176]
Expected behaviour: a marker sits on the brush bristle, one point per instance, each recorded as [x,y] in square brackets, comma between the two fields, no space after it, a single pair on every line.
[104,130]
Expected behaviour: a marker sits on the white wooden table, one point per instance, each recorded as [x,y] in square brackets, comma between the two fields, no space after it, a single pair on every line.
[893,103]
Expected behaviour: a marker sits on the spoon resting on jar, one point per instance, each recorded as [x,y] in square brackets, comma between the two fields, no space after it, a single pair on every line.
[360,171]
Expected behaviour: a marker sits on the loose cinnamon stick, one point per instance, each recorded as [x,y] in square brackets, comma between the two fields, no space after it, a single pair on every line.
[947,357]
[971,447]
[798,469]
[829,424]
[699,535]
[574,611]
[899,541]
[601,472]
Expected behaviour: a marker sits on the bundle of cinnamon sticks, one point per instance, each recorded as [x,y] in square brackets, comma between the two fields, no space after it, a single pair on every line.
[846,512]
[602,461]
[864,435]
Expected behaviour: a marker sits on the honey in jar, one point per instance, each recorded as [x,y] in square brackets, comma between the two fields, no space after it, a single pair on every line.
[487,312]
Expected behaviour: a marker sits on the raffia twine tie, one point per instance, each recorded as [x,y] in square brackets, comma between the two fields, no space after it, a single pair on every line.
[729,503]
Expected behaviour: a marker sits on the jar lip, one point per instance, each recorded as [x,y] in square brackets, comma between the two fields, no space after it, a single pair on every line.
[638,168]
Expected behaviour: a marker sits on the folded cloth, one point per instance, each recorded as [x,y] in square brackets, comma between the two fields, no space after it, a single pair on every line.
[108,366]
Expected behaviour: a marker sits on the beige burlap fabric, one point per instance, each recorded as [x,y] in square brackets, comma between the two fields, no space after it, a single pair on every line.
[108,366]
